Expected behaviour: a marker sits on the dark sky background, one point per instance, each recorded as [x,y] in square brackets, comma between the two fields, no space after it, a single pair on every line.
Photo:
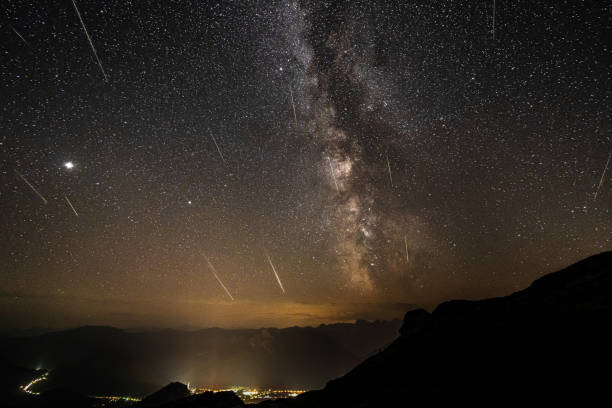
[382,154]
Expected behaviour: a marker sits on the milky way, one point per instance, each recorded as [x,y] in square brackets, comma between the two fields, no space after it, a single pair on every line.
[382,154]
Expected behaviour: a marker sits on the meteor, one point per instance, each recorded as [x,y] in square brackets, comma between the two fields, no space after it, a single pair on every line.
[90,42]
[275,274]
[219,150]
[71,206]
[389,167]
[293,104]
[406,244]
[602,176]
[20,36]
[214,272]
[31,186]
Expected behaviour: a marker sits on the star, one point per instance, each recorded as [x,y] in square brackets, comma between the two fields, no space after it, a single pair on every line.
[69,165]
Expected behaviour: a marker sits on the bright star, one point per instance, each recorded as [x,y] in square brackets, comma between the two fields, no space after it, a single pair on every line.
[69,165]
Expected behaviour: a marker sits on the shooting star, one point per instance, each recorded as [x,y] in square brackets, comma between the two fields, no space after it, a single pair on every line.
[389,168]
[332,173]
[275,274]
[219,150]
[293,105]
[406,244]
[493,31]
[71,206]
[603,175]
[90,42]
[31,186]
[214,272]
[493,18]
[20,36]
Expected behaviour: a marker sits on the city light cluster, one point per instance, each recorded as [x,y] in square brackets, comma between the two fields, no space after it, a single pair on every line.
[252,394]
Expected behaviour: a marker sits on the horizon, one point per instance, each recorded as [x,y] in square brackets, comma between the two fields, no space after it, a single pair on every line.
[146,329]
[5,331]
[257,365]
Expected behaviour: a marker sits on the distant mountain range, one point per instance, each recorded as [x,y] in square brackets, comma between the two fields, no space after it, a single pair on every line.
[547,345]
[110,361]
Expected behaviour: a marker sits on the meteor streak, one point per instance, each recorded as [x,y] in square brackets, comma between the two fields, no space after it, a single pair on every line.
[275,274]
[31,186]
[71,206]
[406,244]
[20,36]
[90,42]
[293,105]
[219,150]
[214,272]
[332,173]
[602,176]
[389,167]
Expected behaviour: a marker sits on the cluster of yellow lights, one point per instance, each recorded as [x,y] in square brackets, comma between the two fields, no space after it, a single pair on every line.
[244,393]
[116,398]
[253,393]
[26,388]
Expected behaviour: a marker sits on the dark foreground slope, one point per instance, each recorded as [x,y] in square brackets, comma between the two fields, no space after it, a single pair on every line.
[548,344]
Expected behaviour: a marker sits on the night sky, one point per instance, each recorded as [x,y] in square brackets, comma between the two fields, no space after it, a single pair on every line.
[374,155]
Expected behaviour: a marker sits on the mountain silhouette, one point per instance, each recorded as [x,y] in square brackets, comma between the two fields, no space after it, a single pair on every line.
[169,393]
[546,345]
[119,362]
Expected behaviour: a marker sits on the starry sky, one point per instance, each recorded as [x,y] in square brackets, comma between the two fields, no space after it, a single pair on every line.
[275,163]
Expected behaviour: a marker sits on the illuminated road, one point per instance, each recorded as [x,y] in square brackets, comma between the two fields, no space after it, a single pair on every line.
[26,388]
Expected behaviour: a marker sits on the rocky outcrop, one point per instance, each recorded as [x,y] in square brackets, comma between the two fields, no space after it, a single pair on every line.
[169,393]
[414,322]
[547,344]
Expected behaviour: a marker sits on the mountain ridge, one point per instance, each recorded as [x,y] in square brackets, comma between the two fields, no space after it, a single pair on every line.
[547,342]
[142,362]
